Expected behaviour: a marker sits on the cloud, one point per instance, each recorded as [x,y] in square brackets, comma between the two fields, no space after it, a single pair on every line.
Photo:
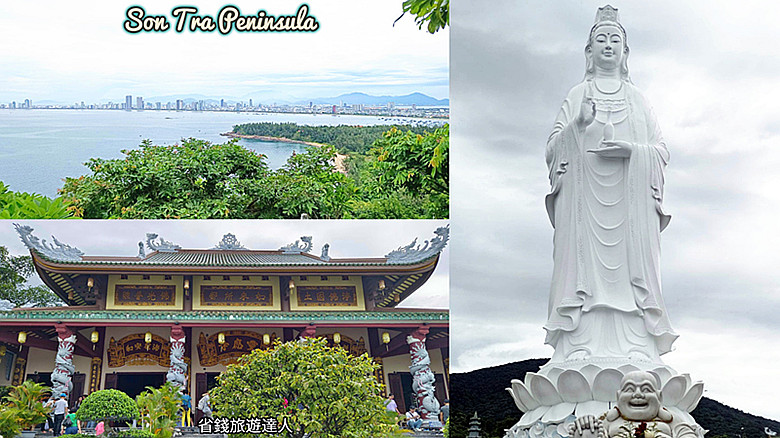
[69,51]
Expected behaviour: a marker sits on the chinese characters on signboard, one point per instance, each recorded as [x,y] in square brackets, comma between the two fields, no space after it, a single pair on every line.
[236,295]
[145,295]
[327,296]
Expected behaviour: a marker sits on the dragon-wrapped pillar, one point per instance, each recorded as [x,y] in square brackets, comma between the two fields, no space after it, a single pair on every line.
[423,380]
[177,372]
[62,375]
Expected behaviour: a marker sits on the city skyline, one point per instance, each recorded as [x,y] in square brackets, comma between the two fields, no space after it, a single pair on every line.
[69,56]
[351,98]
[380,108]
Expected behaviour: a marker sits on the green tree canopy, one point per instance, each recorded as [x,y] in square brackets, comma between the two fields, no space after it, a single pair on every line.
[433,14]
[405,175]
[108,404]
[196,179]
[314,389]
[407,165]
[14,272]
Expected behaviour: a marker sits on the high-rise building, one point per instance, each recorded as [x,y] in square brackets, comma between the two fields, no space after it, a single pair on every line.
[139,103]
[128,102]
[159,106]
[27,103]
[179,104]
[222,103]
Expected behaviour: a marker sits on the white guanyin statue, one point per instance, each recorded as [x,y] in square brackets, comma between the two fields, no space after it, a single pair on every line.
[606,317]
[606,159]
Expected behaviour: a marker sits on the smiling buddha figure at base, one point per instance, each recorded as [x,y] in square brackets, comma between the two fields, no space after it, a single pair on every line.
[638,412]
[606,160]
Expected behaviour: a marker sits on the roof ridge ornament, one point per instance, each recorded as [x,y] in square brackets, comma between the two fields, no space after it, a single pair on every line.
[414,253]
[297,247]
[229,242]
[57,250]
[324,255]
[160,245]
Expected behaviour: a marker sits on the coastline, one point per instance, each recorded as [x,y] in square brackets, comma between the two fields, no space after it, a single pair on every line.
[269,138]
[338,162]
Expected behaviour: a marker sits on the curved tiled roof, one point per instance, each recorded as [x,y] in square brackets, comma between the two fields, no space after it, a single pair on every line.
[171,255]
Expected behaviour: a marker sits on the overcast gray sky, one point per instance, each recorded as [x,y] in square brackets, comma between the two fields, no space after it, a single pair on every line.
[78,50]
[346,239]
[711,70]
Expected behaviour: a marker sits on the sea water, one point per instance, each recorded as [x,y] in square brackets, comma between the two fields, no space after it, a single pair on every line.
[40,147]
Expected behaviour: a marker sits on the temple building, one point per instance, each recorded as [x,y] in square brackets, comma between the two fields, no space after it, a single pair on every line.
[182,315]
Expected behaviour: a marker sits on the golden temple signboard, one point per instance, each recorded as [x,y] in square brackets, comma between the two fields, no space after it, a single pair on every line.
[236,296]
[145,295]
[236,344]
[326,296]
[133,350]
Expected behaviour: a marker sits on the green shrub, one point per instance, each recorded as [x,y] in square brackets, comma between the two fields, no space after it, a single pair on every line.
[107,405]
[196,179]
[314,389]
[25,399]
[404,175]
[406,164]
[9,424]
[133,433]
[22,205]
[159,409]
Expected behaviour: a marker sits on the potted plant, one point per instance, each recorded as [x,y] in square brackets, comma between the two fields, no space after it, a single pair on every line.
[25,402]
[9,427]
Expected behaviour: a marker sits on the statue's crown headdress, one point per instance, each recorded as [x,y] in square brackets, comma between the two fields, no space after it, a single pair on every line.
[604,16]
[607,13]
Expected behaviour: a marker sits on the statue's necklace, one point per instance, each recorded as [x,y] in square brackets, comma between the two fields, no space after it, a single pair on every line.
[596,84]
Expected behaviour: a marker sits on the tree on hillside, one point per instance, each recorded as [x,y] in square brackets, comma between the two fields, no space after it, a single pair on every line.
[14,272]
[410,170]
[314,389]
[308,184]
[196,179]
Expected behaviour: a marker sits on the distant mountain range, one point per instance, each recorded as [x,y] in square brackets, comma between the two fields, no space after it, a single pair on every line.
[483,391]
[418,99]
[264,98]
[271,97]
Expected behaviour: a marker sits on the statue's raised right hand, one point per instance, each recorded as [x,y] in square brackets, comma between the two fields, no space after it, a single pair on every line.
[587,112]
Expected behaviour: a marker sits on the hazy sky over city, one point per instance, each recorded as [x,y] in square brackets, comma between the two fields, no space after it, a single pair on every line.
[711,70]
[78,50]
[346,239]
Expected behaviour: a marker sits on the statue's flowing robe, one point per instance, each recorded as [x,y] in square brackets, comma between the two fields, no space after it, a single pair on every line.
[607,214]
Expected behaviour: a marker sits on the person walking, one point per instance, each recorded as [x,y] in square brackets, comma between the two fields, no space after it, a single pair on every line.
[444,412]
[60,410]
[204,405]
